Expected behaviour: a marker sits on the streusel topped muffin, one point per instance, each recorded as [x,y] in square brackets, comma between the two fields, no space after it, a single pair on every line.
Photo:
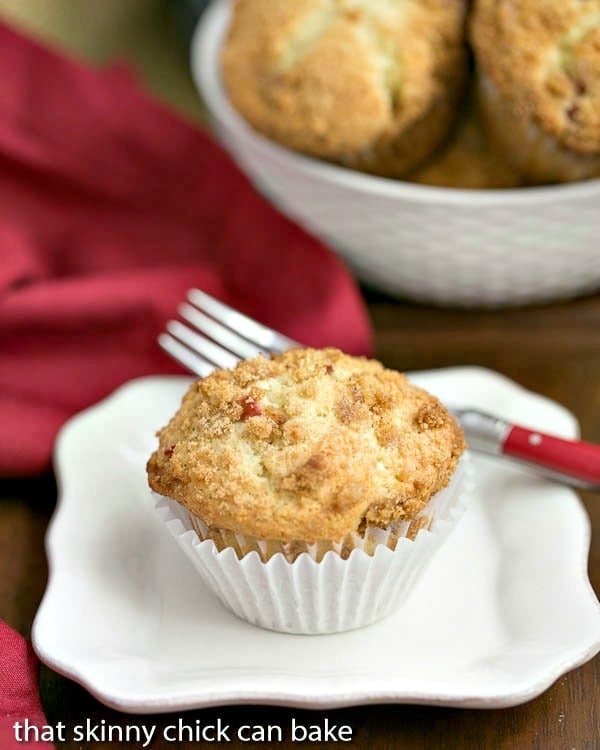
[309,445]
[539,69]
[372,84]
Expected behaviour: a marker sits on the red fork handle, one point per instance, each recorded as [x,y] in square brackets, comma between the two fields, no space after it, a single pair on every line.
[572,460]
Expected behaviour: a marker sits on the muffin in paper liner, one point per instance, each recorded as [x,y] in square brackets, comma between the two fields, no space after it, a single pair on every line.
[324,587]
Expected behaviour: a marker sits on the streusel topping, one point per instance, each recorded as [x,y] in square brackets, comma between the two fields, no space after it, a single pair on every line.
[308,445]
[341,79]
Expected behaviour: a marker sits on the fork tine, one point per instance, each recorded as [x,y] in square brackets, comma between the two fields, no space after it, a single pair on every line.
[266,338]
[218,333]
[199,344]
[191,361]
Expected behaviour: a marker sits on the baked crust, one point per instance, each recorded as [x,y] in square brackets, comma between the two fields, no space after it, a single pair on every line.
[543,57]
[372,84]
[308,445]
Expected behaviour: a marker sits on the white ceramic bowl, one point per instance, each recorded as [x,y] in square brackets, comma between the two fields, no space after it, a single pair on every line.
[484,248]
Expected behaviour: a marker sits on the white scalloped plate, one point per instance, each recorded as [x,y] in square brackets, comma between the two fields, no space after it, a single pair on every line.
[504,610]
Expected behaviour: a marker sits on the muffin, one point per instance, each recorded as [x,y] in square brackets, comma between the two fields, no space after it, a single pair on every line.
[468,160]
[371,85]
[307,462]
[539,84]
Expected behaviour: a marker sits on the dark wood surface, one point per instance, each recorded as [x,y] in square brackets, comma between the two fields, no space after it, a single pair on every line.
[553,350]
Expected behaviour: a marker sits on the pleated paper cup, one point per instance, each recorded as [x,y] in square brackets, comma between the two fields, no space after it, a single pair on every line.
[327,587]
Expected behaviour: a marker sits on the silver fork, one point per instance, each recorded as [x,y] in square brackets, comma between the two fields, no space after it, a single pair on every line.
[217,336]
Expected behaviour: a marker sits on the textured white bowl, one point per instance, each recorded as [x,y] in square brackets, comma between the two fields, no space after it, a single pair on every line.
[483,248]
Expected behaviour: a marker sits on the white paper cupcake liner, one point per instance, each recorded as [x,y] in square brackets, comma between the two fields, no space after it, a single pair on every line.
[366,541]
[328,594]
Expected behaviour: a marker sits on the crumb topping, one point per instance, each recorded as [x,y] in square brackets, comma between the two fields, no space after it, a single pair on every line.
[329,442]
[544,57]
[343,79]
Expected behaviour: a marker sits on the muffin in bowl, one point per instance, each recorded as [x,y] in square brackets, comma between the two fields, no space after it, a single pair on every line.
[370,84]
[476,248]
[538,67]
[315,482]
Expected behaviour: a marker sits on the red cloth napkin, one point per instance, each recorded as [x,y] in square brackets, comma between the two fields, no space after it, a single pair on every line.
[111,207]
[19,697]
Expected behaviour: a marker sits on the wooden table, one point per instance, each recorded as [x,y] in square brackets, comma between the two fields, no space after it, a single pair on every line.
[553,350]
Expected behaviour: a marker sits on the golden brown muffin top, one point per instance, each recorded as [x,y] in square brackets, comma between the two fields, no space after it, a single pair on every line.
[332,77]
[308,445]
[544,56]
